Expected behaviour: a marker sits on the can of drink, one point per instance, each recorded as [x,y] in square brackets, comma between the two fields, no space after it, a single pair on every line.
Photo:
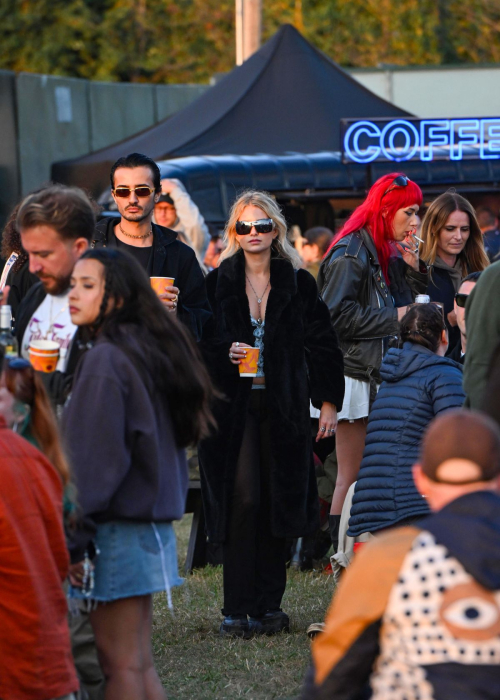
[422,299]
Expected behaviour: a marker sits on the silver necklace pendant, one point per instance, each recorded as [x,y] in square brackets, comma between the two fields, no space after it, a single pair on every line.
[259,301]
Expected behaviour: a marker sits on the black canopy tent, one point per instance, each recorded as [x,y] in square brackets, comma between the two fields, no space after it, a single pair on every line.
[287,97]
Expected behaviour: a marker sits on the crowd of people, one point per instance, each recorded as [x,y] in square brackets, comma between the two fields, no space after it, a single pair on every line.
[359,352]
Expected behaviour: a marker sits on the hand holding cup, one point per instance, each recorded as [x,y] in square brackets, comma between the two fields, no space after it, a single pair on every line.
[170,298]
[237,352]
[167,293]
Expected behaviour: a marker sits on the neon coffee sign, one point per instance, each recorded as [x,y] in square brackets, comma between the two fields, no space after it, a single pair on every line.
[365,141]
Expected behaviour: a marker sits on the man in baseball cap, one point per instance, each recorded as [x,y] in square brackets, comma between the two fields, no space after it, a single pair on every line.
[427,623]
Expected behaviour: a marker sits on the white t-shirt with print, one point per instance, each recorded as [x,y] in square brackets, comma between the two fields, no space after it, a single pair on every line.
[51,321]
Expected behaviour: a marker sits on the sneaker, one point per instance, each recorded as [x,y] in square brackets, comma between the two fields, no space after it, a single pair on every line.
[315,629]
[272,622]
[235,626]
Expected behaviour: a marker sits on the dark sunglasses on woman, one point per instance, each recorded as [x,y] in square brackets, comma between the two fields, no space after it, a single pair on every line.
[243,228]
[399,181]
[461,299]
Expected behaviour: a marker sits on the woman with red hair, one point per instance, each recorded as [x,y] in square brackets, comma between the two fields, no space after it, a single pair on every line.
[369,275]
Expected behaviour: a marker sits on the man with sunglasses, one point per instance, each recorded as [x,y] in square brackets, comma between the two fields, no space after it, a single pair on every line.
[468,284]
[136,188]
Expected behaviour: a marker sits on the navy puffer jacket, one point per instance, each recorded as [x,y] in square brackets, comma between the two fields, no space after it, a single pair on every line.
[417,385]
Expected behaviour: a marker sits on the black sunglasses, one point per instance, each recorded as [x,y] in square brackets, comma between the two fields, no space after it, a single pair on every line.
[142,191]
[243,228]
[461,299]
[399,181]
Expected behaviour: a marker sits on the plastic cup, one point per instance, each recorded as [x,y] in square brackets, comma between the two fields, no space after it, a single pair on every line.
[248,365]
[44,355]
[159,283]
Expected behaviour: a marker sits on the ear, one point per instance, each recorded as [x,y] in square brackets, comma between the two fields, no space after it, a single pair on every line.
[80,246]
[444,337]
[420,479]
[157,197]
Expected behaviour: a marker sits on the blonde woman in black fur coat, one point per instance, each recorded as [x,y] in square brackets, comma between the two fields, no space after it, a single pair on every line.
[258,479]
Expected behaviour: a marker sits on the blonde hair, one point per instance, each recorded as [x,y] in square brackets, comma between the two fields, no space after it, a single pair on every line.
[268,204]
[473,257]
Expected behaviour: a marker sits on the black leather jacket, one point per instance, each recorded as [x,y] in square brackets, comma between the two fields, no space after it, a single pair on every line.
[362,306]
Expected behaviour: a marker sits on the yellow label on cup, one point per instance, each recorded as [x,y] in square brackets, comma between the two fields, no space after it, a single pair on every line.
[248,365]
[44,355]
[159,283]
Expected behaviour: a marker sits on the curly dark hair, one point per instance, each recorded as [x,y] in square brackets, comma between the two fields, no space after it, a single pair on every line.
[11,241]
[161,348]
[423,324]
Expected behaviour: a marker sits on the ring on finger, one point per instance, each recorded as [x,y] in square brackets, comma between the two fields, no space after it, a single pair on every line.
[230,355]
[322,429]
[237,345]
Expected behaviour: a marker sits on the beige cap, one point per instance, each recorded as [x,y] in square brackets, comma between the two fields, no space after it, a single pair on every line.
[461,447]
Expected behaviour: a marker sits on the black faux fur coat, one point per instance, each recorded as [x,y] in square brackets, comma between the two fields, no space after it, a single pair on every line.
[302,361]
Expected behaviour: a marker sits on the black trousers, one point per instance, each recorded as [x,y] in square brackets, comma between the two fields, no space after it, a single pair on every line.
[254,560]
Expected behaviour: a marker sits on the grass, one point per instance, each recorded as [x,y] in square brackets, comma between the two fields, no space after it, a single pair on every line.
[194,662]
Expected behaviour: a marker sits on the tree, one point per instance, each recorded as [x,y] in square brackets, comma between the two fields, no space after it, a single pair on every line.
[175,41]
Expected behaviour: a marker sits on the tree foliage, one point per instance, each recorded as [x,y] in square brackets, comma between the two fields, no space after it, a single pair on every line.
[177,41]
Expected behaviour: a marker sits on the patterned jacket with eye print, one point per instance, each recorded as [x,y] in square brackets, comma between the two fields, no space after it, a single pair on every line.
[417,615]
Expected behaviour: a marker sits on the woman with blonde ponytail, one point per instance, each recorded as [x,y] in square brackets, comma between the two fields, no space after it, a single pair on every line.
[257,470]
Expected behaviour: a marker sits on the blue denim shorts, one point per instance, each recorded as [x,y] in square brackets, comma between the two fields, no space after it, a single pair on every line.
[134,559]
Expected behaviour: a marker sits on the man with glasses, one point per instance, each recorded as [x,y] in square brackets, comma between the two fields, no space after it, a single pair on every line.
[468,284]
[136,188]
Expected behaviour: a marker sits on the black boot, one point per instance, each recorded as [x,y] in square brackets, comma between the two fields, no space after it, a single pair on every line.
[334,523]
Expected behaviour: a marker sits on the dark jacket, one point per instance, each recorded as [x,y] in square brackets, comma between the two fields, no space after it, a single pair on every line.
[20,282]
[456,353]
[491,240]
[362,307]
[416,614]
[301,361]
[417,386]
[121,443]
[442,289]
[171,258]
[56,383]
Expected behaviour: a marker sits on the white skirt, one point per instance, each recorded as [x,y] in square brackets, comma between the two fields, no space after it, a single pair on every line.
[356,400]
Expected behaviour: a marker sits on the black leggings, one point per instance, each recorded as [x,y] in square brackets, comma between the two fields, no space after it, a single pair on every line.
[254,560]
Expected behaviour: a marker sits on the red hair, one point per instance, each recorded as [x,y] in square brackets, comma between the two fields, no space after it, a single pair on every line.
[377,213]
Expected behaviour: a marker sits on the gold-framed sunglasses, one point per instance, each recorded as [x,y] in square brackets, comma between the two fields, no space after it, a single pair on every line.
[141,191]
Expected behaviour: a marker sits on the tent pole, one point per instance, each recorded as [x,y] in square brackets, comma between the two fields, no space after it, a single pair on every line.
[252,27]
[239,32]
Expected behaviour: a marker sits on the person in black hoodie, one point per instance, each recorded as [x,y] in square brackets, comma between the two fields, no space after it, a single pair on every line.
[140,396]
[417,614]
[136,188]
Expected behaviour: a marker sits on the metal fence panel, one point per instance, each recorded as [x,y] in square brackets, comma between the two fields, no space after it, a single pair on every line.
[53,124]
[119,110]
[9,164]
[172,98]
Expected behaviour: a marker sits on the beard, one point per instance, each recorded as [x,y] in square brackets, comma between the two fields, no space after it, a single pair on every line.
[143,213]
[55,285]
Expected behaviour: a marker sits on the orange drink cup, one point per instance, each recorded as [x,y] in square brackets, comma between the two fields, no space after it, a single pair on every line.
[44,355]
[248,365]
[159,283]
